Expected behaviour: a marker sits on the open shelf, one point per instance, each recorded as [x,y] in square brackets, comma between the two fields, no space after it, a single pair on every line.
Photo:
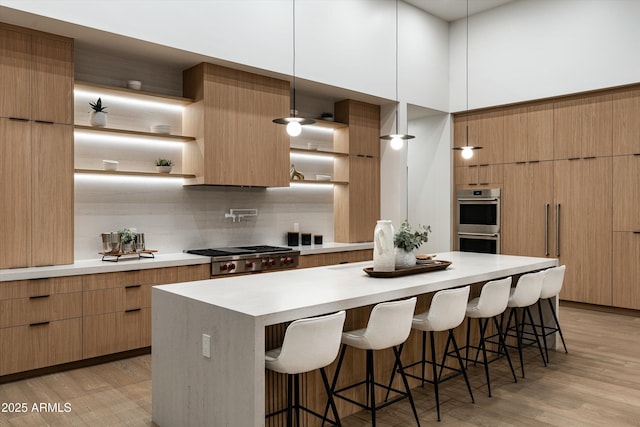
[136,133]
[317,152]
[315,181]
[132,173]
[329,125]
[132,93]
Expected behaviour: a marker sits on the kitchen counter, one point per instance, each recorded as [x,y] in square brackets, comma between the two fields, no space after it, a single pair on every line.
[128,263]
[229,387]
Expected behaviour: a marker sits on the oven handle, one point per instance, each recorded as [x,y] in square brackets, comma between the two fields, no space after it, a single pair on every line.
[479,199]
[478,234]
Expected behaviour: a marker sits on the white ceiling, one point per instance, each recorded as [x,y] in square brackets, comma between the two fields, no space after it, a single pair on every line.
[452,10]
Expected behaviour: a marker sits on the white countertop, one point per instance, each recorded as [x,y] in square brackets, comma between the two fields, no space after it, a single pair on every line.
[287,295]
[128,263]
[94,266]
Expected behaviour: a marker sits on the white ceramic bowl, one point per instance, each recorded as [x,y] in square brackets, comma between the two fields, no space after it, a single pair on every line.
[110,165]
[323,177]
[134,84]
[161,129]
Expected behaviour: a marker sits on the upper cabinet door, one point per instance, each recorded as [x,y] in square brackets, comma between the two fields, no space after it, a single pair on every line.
[626,122]
[583,127]
[490,136]
[364,128]
[528,133]
[52,80]
[15,72]
[516,135]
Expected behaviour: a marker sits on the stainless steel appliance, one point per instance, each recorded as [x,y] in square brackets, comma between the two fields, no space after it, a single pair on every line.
[248,259]
[478,226]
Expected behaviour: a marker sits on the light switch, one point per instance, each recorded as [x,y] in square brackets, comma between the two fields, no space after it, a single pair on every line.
[206,345]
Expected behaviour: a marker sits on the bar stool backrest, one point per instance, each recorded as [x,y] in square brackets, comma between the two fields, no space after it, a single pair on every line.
[552,284]
[310,344]
[494,297]
[527,291]
[390,323]
[448,308]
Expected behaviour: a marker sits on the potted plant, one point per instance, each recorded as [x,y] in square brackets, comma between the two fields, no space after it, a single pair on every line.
[127,239]
[164,165]
[406,241]
[98,117]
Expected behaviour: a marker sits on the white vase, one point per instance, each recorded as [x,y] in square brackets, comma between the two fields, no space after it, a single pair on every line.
[383,256]
[405,259]
[98,119]
[163,169]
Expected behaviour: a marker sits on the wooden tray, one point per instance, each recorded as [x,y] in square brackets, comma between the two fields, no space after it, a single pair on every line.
[419,268]
[114,257]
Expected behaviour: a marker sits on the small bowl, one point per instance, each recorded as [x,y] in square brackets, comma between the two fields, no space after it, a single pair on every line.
[165,129]
[323,177]
[110,165]
[134,84]
[312,146]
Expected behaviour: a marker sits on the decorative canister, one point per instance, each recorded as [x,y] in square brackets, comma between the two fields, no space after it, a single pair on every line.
[383,252]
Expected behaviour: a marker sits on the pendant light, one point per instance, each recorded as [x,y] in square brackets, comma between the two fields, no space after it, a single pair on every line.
[397,139]
[294,123]
[467,150]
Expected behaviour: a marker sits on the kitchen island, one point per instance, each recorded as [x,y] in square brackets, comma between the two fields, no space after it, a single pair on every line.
[223,384]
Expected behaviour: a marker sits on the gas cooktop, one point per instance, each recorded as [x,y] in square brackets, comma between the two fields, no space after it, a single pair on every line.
[238,250]
[248,259]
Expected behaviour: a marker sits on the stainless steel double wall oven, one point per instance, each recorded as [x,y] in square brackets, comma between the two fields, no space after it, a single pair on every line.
[478,227]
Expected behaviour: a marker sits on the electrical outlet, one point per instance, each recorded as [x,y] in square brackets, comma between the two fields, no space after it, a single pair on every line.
[206,345]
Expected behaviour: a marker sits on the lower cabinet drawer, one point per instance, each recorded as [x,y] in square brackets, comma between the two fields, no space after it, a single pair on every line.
[40,308]
[116,332]
[38,345]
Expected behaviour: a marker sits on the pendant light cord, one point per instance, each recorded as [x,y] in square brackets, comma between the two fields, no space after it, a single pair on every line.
[294,59]
[467,67]
[397,67]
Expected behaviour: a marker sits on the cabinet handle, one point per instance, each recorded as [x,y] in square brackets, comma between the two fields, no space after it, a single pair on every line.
[39,296]
[534,161]
[485,164]
[558,230]
[636,232]
[589,157]
[573,158]
[546,229]
[472,183]
[636,154]
[19,119]
[521,163]
[39,323]
[46,122]
[132,310]
[132,286]
[483,183]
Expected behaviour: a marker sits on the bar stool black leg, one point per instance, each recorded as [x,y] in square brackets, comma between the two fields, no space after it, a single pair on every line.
[289,400]
[434,370]
[544,331]
[462,368]
[481,345]
[331,402]
[334,382]
[527,311]
[519,337]
[372,386]
[466,356]
[506,351]
[398,351]
[424,354]
[296,391]
[555,319]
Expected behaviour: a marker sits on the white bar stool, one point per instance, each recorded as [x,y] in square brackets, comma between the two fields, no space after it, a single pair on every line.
[491,303]
[308,344]
[551,287]
[521,298]
[389,326]
[445,313]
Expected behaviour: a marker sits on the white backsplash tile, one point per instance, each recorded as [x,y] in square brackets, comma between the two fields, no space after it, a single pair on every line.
[174,218]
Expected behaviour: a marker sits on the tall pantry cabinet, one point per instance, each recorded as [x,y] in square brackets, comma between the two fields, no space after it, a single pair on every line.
[571,189]
[36,148]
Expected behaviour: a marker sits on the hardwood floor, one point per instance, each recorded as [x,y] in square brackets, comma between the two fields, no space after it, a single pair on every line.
[596,384]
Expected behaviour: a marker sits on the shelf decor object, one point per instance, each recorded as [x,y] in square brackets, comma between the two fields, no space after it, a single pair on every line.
[115,257]
[294,123]
[467,150]
[98,115]
[417,269]
[397,139]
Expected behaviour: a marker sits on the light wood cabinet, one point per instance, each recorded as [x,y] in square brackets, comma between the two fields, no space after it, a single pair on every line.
[237,142]
[486,129]
[528,133]
[116,332]
[583,127]
[40,323]
[626,193]
[479,175]
[36,75]
[626,125]
[332,258]
[528,220]
[626,270]
[15,193]
[357,205]
[583,193]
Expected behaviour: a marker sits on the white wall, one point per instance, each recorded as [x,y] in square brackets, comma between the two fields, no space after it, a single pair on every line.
[429,160]
[348,44]
[532,49]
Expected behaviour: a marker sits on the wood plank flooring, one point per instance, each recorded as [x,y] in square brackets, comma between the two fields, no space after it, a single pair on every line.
[596,384]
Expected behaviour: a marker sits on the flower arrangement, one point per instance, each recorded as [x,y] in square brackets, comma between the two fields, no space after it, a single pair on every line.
[409,239]
[97,106]
[164,162]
